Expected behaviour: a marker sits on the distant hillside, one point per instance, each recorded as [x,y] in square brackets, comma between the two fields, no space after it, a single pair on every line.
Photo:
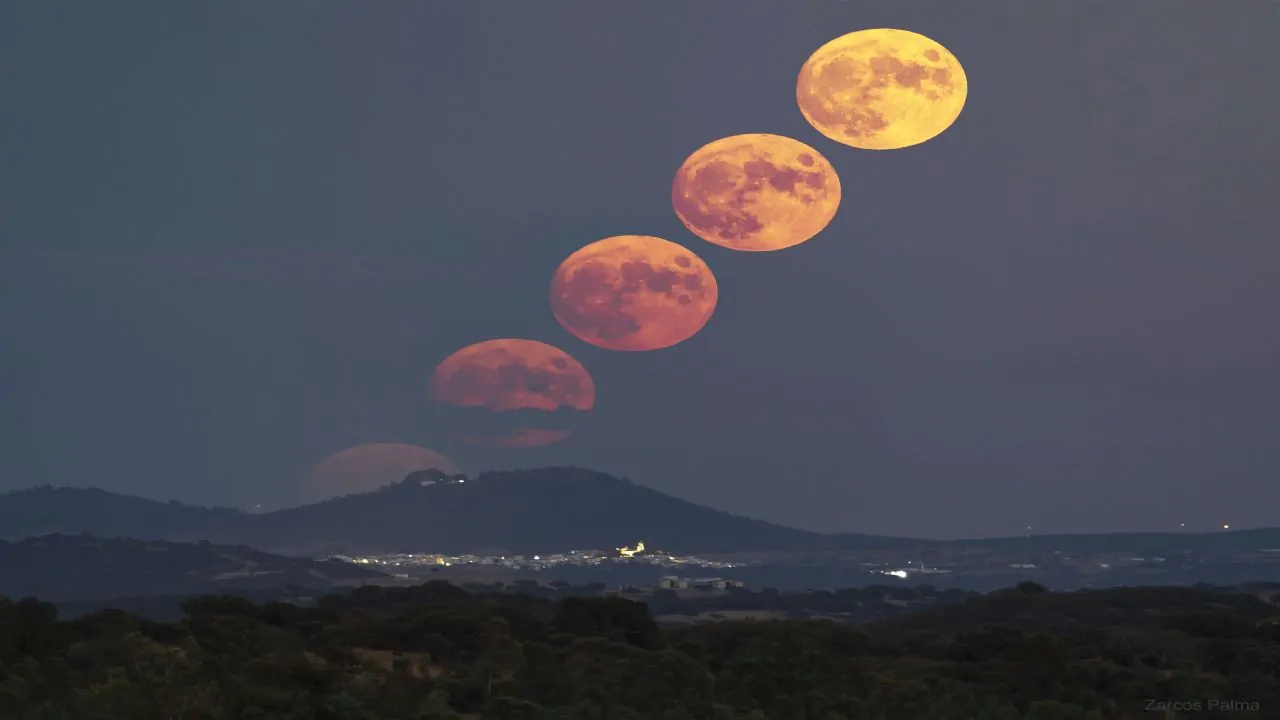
[82,567]
[552,509]
[44,510]
[523,511]
[529,511]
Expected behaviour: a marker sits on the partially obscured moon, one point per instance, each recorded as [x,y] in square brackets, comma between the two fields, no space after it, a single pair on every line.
[633,292]
[514,375]
[365,468]
[881,89]
[508,374]
[756,192]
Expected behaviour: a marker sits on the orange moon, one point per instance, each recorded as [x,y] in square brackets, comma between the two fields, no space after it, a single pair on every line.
[365,468]
[756,192]
[504,375]
[633,292]
[881,89]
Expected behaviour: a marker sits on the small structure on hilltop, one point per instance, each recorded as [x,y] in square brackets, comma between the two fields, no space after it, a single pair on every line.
[432,476]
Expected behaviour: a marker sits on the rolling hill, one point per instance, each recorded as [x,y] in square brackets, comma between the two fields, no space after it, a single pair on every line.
[82,567]
[529,511]
[44,510]
[524,511]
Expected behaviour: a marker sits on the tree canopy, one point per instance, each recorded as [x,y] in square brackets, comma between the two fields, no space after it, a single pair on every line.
[436,651]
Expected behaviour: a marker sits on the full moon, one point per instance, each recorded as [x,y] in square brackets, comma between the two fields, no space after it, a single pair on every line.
[633,292]
[365,468]
[756,192]
[881,89]
[504,375]
[514,375]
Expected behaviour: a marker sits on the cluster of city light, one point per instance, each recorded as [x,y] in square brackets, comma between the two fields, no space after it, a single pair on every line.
[537,562]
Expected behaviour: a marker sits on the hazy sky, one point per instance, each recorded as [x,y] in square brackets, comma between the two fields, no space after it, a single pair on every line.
[238,236]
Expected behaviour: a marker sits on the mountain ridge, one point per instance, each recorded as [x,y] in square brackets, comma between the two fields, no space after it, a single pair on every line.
[44,510]
[540,510]
[544,510]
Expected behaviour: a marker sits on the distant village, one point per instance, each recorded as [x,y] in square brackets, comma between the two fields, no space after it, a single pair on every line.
[958,564]
[407,565]
[995,568]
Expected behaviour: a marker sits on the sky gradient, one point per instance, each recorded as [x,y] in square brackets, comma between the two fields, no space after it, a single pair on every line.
[238,237]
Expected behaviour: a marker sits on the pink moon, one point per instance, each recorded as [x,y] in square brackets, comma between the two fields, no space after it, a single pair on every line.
[365,468]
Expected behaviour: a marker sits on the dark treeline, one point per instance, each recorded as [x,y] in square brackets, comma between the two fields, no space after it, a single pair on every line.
[847,605]
[438,651]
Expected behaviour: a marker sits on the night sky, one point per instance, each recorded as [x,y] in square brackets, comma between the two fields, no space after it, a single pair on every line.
[237,237]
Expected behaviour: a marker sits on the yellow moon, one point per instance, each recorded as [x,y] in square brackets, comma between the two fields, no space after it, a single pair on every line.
[756,192]
[881,89]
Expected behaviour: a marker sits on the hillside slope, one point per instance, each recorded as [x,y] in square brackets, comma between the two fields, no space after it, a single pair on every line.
[45,510]
[82,567]
[526,511]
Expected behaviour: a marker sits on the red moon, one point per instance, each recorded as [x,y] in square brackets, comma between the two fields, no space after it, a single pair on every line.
[365,468]
[633,292]
[507,374]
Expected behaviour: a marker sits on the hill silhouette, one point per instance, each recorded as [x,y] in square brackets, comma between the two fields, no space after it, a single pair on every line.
[529,511]
[45,510]
[522,511]
[82,567]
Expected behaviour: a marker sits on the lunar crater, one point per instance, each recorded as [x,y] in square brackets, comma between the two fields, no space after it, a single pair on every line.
[504,375]
[881,89]
[510,381]
[633,293]
[756,192]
